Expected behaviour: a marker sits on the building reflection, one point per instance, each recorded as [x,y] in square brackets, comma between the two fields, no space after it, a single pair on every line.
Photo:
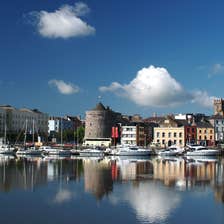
[99,175]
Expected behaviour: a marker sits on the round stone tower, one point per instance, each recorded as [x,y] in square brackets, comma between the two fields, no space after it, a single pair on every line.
[98,125]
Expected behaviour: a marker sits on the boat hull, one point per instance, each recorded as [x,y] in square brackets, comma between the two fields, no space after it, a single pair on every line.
[91,153]
[209,152]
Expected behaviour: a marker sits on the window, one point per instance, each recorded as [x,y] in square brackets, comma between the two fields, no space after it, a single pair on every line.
[157,134]
[180,142]
[163,134]
[193,130]
[205,131]
[163,141]
[200,137]
[211,137]
[180,135]
[199,131]
[169,135]
[175,142]
[210,131]
[174,134]
[188,129]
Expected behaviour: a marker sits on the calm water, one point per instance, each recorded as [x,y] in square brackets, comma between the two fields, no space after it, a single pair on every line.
[111,190]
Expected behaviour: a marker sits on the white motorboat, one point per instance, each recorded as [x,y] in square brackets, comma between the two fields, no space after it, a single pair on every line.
[98,152]
[48,150]
[171,151]
[32,151]
[7,149]
[199,150]
[131,151]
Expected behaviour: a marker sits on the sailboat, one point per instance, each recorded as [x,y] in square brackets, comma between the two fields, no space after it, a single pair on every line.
[48,150]
[6,148]
[32,151]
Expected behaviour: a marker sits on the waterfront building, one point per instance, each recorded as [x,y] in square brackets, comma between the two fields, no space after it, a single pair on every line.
[169,132]
[205,133]
[134,134]
[55,124]
[190,127]
[217,121]
[16,120]
[98,125]
[2,121]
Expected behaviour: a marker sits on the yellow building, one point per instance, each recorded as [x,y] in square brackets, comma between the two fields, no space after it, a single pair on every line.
[205,133]
[170,132]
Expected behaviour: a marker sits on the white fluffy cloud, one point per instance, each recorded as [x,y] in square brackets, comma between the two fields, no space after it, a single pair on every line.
[64,88]
[155,87]
[202,98]
[63,22]
[216,69]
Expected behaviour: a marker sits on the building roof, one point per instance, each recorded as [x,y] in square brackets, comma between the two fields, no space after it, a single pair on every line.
[154,119]
[7,107]
[216,117]
[99,107]
[204,124]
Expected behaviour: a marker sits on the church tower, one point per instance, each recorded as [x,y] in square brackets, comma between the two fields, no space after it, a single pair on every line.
[219,107]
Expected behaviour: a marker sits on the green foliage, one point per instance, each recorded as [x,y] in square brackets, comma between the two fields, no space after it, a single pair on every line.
[79,135]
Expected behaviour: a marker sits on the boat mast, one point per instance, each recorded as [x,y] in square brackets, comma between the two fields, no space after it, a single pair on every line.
[61,131]
[5,132]
[25,133]
[33,132]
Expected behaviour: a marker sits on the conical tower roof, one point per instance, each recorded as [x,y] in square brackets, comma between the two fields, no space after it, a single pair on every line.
[99,107]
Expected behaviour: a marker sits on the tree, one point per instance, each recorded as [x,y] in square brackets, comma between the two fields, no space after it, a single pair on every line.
[79,135]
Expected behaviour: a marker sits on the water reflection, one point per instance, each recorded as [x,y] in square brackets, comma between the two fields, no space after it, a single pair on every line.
[153,187]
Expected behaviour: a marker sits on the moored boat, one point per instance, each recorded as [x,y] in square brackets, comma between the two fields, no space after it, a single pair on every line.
[199,150]
[32,151]
[48,150]
[171,151]
[92,152]
[131,151]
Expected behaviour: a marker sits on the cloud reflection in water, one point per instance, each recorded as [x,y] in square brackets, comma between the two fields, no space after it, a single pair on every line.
[151,202]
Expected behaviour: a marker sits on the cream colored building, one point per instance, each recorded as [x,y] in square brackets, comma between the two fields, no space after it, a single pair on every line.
[17,118]
[169,133]
[2,121]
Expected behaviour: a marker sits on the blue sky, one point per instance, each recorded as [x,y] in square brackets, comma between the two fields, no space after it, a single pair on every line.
[140,56]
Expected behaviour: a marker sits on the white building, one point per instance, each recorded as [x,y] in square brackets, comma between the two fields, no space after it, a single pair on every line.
[56,123]
[217,122]
[133,134]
